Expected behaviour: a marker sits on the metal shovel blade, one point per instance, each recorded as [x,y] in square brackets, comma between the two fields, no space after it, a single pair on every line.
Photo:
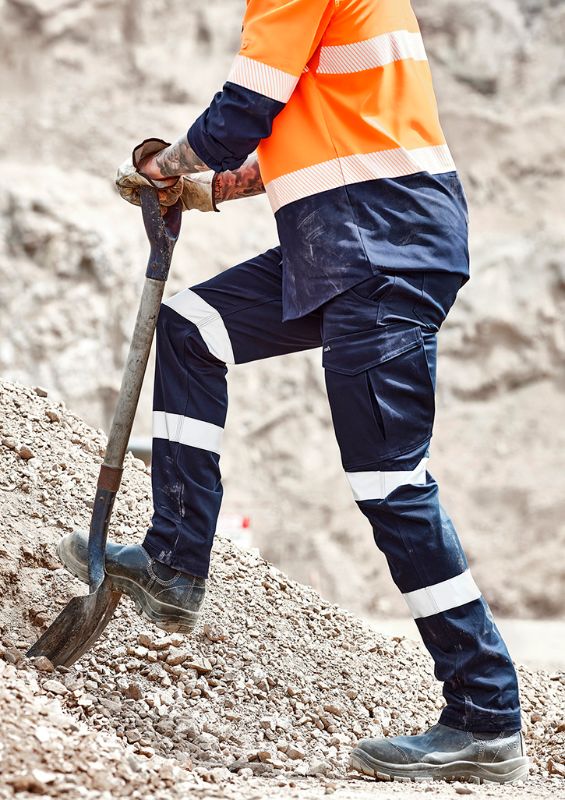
[78,626]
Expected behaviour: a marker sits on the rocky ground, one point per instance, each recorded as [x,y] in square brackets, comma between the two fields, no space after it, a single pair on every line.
[265,700]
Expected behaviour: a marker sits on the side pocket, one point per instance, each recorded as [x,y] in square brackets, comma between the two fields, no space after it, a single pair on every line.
[403,392]
[381,394]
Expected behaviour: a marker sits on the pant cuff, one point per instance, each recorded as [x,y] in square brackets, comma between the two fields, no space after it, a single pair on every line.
[481,723]
[158,550]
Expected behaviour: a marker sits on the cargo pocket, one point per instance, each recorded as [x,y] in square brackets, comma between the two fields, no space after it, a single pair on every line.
[381,394]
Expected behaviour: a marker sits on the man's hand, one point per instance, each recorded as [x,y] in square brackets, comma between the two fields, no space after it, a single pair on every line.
[142,170]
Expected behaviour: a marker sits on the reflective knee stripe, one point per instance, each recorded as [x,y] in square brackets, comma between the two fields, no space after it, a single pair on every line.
[442,596]
[186,430]
[208,321]
[377,485]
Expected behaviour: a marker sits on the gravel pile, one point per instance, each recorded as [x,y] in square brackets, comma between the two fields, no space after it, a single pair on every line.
[276,685]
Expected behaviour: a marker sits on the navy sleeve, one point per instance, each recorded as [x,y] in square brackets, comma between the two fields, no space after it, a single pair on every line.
[232,127]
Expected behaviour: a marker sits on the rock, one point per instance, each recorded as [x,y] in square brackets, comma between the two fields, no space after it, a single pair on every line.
[42,664]
[463,788]
[40,392]
[54,686]
[295,752]
[202,666]
[133,691]
[26,452]
[555,768]
[12,655]
[177,656]
[86,701]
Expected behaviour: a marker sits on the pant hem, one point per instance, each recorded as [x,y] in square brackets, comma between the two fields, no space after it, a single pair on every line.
[495,723]
[191,566]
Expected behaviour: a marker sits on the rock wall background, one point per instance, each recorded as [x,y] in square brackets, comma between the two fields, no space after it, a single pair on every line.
[84,80]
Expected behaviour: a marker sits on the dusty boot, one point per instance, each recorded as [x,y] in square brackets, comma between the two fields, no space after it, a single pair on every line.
[168,598]
[444,752]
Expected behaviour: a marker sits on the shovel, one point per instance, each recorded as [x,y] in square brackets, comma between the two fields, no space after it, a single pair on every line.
[84,618]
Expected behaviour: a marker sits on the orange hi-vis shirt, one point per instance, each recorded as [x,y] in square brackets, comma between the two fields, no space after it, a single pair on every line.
[337,98]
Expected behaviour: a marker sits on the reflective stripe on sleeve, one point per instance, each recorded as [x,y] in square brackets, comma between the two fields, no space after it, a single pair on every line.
[188,431]
[379,484]
[347,170]
[260,78]
[208,321]
[371,53]
[442,596]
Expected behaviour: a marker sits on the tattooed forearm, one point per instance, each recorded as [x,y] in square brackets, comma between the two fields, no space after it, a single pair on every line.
[243,182]
[179,159]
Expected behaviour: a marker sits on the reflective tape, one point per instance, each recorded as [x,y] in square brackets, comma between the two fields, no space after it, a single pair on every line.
[442,596]
[347,170]
[379,484]
[371,53]
[187,430]
[260,78]
[208,321]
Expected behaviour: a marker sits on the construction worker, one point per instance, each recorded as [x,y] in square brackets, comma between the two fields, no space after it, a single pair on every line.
[329,109]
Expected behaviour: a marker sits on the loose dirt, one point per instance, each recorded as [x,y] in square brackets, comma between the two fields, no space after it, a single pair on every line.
[264,701]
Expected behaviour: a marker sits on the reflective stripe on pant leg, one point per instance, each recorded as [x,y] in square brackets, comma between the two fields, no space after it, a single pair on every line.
[429,567]
[190,404]
[380,387]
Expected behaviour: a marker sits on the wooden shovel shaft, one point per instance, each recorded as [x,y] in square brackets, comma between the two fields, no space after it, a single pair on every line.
[162,233]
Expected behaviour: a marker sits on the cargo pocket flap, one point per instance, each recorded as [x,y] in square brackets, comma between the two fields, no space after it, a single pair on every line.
[357,352]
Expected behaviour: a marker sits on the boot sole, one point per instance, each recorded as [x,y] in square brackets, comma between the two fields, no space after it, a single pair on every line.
[166,617]
[503,772]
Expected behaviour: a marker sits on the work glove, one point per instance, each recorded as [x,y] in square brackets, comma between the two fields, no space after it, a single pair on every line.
[195,191]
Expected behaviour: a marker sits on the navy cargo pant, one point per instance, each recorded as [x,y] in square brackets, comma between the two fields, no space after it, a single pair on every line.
[379,354]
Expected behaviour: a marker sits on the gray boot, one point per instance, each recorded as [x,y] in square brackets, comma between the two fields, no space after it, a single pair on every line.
[444,753]
[170,599]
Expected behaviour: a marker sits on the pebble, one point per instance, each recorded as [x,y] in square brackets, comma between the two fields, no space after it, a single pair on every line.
[26,452]
[54,686]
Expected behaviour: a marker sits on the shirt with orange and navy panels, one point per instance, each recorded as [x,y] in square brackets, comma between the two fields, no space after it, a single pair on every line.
[337,98]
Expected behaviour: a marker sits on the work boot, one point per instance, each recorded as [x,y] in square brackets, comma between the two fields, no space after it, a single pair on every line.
[168,598]
[444,753]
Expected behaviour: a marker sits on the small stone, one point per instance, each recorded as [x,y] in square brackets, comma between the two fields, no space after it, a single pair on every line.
[40,391]
[52,415]
[133,691]
[555,768]
[43,776]
[86,701]
[334,709]
[12,655]
[200,665]
[54,686]
[133,736]
[463,788]
[294,752]
[42,664]
[26,453]
[177,656]
[214,633]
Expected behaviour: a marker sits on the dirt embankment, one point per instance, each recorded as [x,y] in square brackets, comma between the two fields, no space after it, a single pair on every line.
[274,689]
[102,76]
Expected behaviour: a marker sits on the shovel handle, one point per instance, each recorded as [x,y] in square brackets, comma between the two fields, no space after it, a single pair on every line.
[162,232]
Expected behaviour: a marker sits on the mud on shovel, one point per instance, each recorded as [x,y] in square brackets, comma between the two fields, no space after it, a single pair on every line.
[83,619]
